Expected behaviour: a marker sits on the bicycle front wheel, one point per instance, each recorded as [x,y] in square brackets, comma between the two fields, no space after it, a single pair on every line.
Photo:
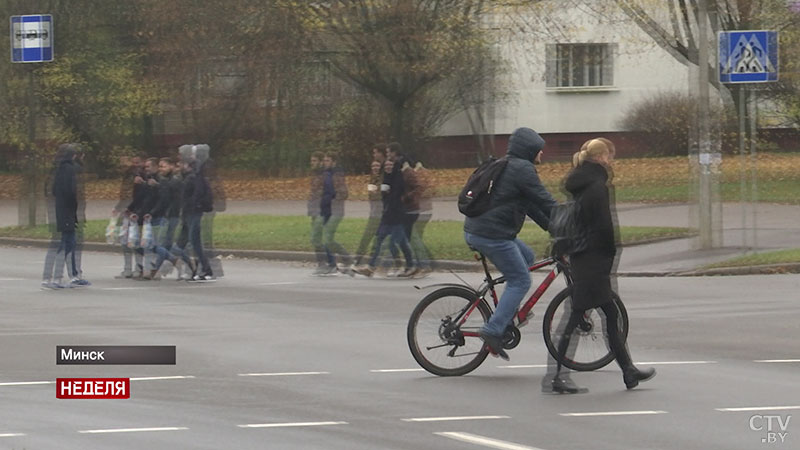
[588,348]
[436,339]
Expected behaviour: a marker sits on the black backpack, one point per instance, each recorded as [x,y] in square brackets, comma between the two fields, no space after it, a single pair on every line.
[568,235]
[476,195]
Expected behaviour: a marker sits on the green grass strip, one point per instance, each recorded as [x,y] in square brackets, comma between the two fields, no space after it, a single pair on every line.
[789,256]
[445,239]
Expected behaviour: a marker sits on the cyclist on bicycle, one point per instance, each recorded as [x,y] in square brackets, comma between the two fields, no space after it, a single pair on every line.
[516,193]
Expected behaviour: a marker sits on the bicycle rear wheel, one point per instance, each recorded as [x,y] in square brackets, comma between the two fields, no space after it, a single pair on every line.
[589,349]
[435,339]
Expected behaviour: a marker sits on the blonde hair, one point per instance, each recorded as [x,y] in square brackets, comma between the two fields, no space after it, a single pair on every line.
[592,150]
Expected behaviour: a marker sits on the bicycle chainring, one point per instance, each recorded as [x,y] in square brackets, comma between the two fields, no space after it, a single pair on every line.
[511,337]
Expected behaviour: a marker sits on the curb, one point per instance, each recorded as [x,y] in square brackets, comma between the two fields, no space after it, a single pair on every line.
[273,255]
[763,269]
[439,265]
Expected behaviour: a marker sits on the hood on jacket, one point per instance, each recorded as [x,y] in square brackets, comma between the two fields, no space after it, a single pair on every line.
[66,152]
[525,143]
[584,175]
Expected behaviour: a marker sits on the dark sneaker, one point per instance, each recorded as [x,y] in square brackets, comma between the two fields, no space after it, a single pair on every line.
[564,385]
[79,282]
[207,278]
[495,344]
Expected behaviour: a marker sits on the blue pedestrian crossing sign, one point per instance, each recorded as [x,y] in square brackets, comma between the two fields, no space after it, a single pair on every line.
[32,38]
[748,56]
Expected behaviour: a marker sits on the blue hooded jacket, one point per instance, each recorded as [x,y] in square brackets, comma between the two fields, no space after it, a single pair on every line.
[517,193]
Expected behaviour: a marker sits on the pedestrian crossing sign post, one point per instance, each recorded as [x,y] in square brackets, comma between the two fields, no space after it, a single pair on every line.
[32,38]
[748,56]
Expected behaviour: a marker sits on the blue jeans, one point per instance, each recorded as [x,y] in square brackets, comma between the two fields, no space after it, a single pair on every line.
[163,239]
[398,237]
[67,246]
[512,258]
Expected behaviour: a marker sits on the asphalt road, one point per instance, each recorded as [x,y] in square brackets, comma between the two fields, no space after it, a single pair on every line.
[272,358]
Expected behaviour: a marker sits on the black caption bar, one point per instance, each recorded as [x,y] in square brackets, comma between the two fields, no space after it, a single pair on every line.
[115,354]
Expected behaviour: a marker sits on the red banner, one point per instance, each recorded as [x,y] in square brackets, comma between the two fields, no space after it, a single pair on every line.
[93,388]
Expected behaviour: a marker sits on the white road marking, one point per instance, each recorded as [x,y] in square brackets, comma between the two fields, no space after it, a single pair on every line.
[290,424]
[30,383]
[132,430]
[777,360]
[396,370]
[137,288]
[176,377]
[612,413]
[651,363]
[282,374]
[13,279]
[758,408]
[448,419]
[11,435]
[26,383]
[667,363]
[484,441]
[524,366]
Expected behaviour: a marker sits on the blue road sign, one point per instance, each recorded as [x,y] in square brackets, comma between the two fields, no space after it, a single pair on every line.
[32,38]
[748,56]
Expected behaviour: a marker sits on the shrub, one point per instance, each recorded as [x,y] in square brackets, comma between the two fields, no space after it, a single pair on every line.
[663,124]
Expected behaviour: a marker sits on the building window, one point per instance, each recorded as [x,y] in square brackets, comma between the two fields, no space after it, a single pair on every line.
[580,65]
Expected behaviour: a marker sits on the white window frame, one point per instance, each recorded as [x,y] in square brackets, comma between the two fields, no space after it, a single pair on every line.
[560,67]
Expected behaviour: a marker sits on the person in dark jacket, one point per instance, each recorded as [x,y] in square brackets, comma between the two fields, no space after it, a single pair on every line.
[166,213]
[391,221]
[52,278]
[144,199]
[517,192]
[325,262]
[591,268]
[65,194]
[334,193]
[196,194]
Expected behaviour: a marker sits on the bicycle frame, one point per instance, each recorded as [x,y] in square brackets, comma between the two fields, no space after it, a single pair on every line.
[521,318]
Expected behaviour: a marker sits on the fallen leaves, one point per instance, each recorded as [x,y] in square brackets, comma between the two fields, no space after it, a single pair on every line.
[631,173]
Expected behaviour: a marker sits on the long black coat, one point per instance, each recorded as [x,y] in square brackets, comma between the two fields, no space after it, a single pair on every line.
[65,193]
[591,268]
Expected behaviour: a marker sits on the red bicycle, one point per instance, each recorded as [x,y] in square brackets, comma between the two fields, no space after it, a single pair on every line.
[443,329]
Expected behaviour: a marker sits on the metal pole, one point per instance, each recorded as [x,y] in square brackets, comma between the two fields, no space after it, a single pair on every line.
[743,161]
[31,150]
[704,143]
[754,165]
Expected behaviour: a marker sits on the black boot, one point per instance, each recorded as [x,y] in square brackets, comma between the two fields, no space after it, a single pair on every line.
[565,385]
[632,376]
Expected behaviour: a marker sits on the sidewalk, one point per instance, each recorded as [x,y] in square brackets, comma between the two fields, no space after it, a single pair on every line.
[778,228]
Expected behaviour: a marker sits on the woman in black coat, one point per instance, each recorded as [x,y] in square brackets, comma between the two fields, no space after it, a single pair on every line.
[591,268]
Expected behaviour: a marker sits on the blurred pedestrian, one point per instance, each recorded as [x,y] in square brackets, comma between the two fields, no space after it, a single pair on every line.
[209,170]
[334,194]
[132,167]
[166,214]
[375,211]
[391,222]
[65,194]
